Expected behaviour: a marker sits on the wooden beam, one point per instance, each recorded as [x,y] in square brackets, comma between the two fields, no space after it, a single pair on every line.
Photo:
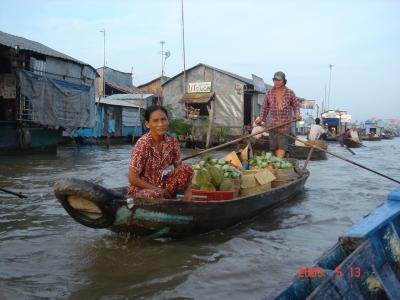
[210,122]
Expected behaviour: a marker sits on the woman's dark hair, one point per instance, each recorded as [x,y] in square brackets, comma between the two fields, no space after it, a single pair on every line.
[153,108]
[317,120]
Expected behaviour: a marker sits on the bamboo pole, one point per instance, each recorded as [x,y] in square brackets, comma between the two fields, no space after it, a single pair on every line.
[13,193]
[236,140]
[210,123]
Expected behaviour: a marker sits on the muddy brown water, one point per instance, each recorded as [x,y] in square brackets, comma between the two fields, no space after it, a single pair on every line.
[44,254]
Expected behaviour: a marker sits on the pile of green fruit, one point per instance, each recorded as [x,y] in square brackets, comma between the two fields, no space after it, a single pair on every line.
[215,174]
[268,160]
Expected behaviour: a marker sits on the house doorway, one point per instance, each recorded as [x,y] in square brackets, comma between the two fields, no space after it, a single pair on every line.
[247,109]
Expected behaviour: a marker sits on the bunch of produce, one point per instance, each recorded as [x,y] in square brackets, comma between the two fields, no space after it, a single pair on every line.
[213,174]
[268,160]
[192,113]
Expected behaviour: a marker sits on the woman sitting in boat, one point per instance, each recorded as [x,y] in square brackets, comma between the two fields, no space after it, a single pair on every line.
[154,153]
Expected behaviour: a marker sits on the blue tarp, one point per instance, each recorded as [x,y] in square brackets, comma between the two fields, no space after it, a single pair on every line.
[58,103]
[331,121]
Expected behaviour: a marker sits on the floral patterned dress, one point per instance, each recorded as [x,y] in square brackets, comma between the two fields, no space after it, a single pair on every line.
[149,163]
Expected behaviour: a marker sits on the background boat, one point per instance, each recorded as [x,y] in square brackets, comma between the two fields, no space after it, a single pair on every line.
[371,138]
[294,151]
[351,143]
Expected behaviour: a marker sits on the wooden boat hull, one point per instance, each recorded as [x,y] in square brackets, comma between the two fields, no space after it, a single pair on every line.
[297,152]
[364,263]
[301,152]
[331,138]
[387,137]
[352,144]
[166,217]
[370,138]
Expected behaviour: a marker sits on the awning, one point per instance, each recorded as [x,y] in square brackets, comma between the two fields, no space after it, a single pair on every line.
[123,89]
[197,97]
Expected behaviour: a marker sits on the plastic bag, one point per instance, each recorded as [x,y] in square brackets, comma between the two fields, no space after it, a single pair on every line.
[258,129]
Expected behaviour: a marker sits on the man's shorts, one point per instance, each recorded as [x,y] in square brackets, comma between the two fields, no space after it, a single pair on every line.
[278,141]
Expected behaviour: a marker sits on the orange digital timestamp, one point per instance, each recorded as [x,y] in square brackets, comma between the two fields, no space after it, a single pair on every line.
[354,272]
[310,272]
[317,272]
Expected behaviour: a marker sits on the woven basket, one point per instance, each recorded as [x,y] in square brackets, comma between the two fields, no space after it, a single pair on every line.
[285,174]
[283,177]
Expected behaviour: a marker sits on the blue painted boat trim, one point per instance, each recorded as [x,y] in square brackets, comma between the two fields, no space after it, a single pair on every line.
[377,255]
[163,231]
[395,195]
[377,219]
[147,215]
[123,215]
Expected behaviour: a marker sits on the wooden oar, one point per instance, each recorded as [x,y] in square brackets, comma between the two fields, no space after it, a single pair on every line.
[237,140]
[340,157]
[348,149]
[13,193]
[362,145]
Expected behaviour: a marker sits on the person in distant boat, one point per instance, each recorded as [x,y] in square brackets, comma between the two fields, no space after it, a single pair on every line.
[153,155]
[373,134]
[317,132]
[279,102]
[345,135]
[354,134]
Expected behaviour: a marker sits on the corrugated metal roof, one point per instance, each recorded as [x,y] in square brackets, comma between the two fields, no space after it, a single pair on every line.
[129,96]
[13,41]
[238,77]
[101,68]
[120,87]
[162,79]
[116,102]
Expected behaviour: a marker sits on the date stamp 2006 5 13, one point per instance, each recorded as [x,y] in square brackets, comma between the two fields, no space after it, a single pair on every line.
[316,272]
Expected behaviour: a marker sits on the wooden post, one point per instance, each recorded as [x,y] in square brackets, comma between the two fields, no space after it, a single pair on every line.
[107,119]
[210,123]
[193,129]
[133,135]
[108,140]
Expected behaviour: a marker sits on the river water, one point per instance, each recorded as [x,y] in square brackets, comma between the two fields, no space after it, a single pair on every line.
[44,254]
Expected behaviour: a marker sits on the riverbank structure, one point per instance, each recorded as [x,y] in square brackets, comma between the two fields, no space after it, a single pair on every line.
[223,100]
[42,93]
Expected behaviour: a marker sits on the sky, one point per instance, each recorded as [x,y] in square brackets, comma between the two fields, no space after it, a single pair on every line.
[360,38]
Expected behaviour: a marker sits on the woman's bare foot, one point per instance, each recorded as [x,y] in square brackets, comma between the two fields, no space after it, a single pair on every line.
[188,193]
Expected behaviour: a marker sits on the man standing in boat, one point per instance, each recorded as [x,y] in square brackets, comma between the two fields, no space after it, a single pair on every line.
[354,134]
[279,102]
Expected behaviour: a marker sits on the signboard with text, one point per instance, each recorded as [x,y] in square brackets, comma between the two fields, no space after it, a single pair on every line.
[307,104]
[345,118]
[199,87]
